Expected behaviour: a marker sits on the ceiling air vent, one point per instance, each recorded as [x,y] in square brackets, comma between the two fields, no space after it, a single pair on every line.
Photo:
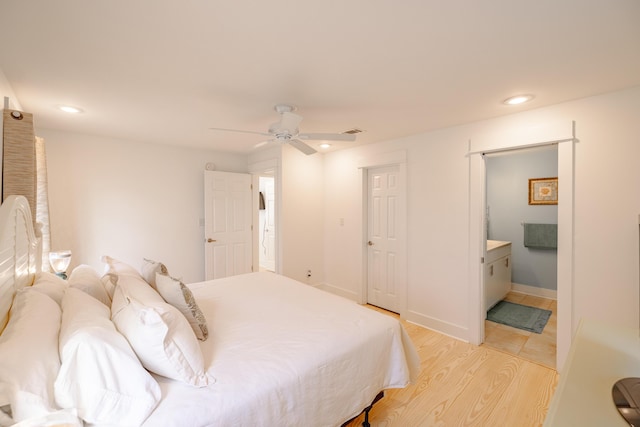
[353,131]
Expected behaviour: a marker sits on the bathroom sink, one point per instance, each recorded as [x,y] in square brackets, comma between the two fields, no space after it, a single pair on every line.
[493,244]
[497,249]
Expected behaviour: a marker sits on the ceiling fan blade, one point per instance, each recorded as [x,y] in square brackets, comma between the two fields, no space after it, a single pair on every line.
[241,131]
[302,146]
[290,122]
[327,136]
[262,144]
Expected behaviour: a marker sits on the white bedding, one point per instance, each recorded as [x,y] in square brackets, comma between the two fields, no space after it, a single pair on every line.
[280,353]
[285,354]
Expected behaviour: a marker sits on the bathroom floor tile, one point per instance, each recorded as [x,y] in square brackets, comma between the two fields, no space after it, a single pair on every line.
[539,348]
[539,302]
[515,297]
[504,337]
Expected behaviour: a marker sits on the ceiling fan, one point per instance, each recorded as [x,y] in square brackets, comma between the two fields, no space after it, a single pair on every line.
[286,131]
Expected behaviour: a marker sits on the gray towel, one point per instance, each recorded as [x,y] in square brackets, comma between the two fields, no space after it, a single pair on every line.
[541,236]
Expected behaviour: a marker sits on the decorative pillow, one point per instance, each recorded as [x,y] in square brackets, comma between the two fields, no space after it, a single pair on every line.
[86,279]
[29,360]
[149,269]
[178,295]
[100,374]
[51,285]
[158,333]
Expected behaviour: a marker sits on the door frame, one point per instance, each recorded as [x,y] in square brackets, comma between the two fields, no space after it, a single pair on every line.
[562,134]
[272,168]
[397,158]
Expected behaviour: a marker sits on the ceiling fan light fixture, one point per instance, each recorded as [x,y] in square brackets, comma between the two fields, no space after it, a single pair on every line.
[518,99]
[325,145]
[284,108]
[286,131]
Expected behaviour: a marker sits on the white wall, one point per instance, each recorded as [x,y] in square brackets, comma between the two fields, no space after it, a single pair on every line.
[607,204]
[7,90]
[302,216]
[343,240]
[437,219]
[130,200]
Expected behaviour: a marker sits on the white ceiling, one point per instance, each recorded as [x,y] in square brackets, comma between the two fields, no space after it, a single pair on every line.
[166,71]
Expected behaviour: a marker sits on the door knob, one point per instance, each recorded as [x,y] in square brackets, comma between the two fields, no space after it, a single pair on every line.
[210,240]
[370,243]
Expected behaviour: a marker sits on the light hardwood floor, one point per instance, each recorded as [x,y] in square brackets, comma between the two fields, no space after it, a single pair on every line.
[540,348]
[462,384]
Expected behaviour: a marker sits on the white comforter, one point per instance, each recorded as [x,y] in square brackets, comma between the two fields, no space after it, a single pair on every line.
[286,354]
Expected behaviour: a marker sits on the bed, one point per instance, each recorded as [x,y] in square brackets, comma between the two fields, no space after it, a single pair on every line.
[277,352]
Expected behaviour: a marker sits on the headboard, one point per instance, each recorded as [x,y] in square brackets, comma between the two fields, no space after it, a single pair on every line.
[19,251]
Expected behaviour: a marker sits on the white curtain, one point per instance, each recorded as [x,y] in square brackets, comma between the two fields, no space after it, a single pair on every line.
[42,201]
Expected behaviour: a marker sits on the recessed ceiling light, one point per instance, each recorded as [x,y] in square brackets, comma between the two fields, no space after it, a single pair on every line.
[325,145]
[518,99]
[70,109]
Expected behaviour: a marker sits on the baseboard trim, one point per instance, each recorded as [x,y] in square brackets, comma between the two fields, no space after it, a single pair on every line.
[338,291]
[534,291]
[444,328]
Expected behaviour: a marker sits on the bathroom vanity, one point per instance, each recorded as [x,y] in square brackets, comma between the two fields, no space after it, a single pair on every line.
[497,272]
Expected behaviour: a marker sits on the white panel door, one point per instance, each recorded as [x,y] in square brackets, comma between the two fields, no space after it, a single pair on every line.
[383,278]
[227,224]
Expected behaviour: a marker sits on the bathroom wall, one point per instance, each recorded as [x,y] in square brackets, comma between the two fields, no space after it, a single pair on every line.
[508,207]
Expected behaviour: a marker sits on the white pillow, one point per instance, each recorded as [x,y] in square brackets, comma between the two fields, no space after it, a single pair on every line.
[158,333]
[61,418]
[109,282]
[149,269]
[114,269]
[138,288]
[51,285]
[118,267]
[178,295]
[100,374]
[29,360]
[86,279]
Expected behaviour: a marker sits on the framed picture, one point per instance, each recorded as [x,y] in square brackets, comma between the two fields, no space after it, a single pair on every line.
[543,191]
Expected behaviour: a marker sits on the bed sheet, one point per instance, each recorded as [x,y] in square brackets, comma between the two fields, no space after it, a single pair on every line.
[286,354]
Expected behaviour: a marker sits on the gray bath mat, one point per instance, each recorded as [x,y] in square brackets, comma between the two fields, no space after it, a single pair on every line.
[519,316]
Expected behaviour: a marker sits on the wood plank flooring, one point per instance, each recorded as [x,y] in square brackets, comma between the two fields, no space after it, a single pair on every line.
[462,384]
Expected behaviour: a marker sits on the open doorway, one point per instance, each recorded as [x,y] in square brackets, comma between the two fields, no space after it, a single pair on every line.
[562,134]
[519,273]
[266,223]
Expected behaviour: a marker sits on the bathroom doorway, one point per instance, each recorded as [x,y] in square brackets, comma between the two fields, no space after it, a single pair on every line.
[532,271]
[267,223]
